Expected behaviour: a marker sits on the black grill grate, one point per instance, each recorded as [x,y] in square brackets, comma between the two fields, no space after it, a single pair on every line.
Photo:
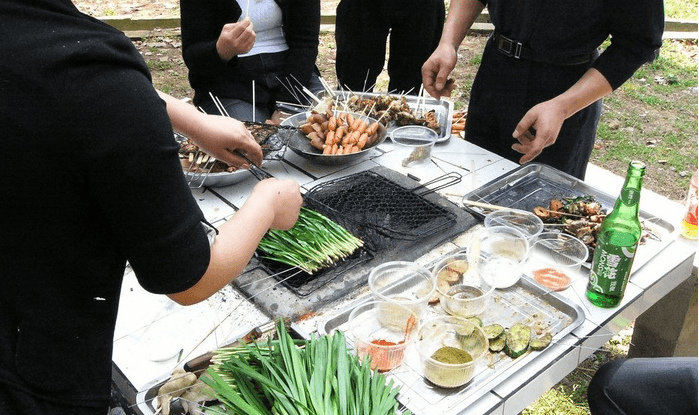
[371,201]
[375,209]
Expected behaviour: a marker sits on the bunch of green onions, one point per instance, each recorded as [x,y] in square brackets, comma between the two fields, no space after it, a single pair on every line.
[299,377]
[315,242]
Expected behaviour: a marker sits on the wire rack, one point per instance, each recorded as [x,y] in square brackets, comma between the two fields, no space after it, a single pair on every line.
[201,169]
[376,204]
[380,212]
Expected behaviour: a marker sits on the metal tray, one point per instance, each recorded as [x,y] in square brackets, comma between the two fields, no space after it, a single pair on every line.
[525,302]
[274,149]
[443,108]
[534,184]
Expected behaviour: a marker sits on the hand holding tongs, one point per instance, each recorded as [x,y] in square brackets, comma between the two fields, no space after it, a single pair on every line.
[256,171]
[253,169]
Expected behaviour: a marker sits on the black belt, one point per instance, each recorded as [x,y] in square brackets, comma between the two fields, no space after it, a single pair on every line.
[518,50]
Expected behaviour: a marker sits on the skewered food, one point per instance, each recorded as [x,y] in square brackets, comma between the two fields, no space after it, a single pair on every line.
[339,133]
[313,243]
[385,109]
[195,160]
[579,216]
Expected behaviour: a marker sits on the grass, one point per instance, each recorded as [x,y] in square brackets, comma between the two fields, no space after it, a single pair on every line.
[653,116]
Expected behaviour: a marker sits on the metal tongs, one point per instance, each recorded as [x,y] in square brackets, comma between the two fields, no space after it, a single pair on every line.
[256,171]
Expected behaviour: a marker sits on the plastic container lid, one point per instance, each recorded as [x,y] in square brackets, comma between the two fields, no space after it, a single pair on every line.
[526,222]
[414,135]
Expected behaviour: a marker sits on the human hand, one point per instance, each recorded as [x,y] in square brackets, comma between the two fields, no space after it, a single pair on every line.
[220,136]
[235,38]
[275,118]
[538,129]
[283,198]
[436,70]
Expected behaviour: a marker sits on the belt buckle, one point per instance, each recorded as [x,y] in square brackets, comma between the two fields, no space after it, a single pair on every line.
[506,46]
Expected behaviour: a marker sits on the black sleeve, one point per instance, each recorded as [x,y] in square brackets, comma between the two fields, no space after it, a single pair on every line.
[302,31]
[137,182]
[636,29]
[202,21]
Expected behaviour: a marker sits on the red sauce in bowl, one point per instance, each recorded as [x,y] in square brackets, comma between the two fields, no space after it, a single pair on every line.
[552,278]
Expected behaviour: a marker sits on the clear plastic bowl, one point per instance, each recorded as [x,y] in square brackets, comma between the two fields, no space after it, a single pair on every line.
[404,282]
[414,144]
[499,254]
[555,259]
[451,332]
[526,222]
[461,290]
[381,331]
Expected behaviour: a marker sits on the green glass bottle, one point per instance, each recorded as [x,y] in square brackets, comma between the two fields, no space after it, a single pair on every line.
[617,243]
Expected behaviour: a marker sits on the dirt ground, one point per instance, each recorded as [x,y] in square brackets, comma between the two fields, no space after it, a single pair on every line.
[162,51]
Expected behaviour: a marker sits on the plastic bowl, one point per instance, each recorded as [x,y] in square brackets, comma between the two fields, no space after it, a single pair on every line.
[499,254]
[413,144]
[555,259]
[461,290]
[442,335]
[403,282]
[526,222]
[381,331]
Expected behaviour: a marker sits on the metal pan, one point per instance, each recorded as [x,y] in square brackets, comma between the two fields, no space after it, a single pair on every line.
[301,145]
[443,108]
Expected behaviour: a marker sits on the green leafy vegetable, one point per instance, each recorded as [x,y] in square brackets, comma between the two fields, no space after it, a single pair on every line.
[299,377]
[315,242]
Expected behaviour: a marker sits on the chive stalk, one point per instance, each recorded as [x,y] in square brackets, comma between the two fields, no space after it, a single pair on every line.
[299,377]
[313,243]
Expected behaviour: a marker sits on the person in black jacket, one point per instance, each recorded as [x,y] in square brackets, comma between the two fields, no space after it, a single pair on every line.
[361,30]
[96,183]
[538,90]
[228,44]
[645,386]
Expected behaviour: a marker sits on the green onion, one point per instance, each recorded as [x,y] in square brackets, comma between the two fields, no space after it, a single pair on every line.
[299,377]
[315,242]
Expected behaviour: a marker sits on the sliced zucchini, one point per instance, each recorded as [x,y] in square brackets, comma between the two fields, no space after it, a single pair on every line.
[475,320]
[493,330]
[497,344]
[541,343]
[517,341]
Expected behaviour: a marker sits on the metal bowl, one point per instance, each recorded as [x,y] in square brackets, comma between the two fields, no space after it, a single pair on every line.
[301,145]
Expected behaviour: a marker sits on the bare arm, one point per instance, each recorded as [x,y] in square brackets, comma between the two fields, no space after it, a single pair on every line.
[272,204]
[436,70]
[217,135]
[547,117]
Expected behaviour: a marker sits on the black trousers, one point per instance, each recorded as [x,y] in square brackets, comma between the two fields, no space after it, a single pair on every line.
[645,386]
[506,88]
[361,30]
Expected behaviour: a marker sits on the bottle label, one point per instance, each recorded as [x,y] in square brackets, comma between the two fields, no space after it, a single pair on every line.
[611,268]
[630,196]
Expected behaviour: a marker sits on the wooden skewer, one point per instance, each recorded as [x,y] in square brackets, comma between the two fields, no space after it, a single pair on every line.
[483,205]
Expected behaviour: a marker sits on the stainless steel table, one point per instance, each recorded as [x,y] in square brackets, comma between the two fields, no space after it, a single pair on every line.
[154,335]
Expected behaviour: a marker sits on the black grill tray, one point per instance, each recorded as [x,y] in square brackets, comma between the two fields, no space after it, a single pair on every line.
[370,200]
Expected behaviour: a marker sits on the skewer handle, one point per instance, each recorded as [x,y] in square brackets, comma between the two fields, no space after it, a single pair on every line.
[482,205]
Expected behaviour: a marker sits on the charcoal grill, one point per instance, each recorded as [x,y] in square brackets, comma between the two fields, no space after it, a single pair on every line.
[396,217]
